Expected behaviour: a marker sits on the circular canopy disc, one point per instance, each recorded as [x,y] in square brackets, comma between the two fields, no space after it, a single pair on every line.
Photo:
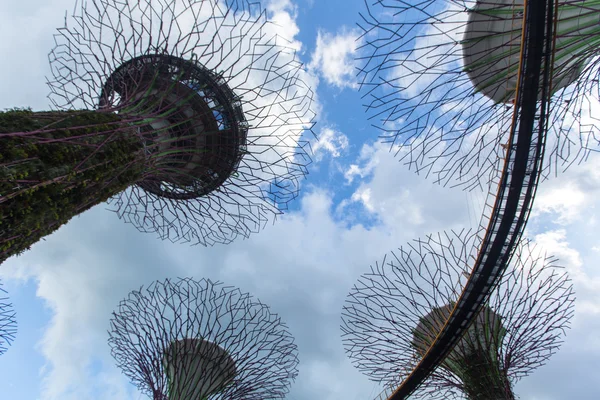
[193,125]
[492,44]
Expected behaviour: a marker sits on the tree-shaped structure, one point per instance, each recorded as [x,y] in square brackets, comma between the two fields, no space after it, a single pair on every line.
[189,340]
[440,78]
[188,115]
[8,323]
[395,311]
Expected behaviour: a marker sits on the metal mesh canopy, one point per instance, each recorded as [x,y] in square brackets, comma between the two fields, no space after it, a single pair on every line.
[8,322]
[197,128]
[407,296]
[438,79]
[193,340]
[219,101]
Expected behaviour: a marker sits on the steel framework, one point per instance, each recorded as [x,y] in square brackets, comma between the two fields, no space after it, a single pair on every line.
[208,101]
[507,207]
[198,339]
[8,322]
[428,74]
[521,326]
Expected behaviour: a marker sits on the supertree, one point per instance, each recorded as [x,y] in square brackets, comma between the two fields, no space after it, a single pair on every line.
[187,115]
[395,311]
[472,93]
[441,78]
[8,323]
[188,340]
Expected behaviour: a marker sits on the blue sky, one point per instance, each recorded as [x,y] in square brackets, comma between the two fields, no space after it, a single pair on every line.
[357,204]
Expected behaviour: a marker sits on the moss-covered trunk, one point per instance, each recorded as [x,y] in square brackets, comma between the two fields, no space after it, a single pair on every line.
[55,165]
[484,379]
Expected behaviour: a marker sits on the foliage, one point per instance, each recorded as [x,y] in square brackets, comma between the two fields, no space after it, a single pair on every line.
[55,165]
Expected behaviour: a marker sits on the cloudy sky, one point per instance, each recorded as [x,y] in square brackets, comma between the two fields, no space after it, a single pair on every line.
[356,204]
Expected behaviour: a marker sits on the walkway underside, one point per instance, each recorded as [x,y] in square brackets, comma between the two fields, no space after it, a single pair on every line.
[505,219]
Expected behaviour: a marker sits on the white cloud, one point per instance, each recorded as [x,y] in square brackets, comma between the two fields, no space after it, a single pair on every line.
[257,59]
[573,242]
[367,159]
[363,195]
[392,194]
[581,349]
[32,35]
[333,58]
[563,202]
[434,50]
[587,286]
[283,14]
[303,267]
[351,172]
[574,194]
[330,141]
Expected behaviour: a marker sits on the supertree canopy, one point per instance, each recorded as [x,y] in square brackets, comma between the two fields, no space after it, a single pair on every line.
[396,310]
[188,116]
[190,340]
[8,323]
[440,79]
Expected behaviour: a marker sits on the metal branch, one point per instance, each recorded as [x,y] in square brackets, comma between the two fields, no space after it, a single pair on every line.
[215,99]
[199,339]
[8,322]
[446,109]
[517,331]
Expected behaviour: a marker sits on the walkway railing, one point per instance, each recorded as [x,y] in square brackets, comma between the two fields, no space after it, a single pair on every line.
[504,220]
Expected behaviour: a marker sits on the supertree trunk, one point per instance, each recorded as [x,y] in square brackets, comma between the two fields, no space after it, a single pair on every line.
[398,308]
[474,361]
[478,386]
[55,165]
[187,115]
[482,376]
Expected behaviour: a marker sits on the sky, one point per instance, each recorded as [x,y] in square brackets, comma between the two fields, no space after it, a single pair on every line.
[357,203]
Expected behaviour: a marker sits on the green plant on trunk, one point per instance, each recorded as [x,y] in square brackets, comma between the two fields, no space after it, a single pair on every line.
[55,165]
